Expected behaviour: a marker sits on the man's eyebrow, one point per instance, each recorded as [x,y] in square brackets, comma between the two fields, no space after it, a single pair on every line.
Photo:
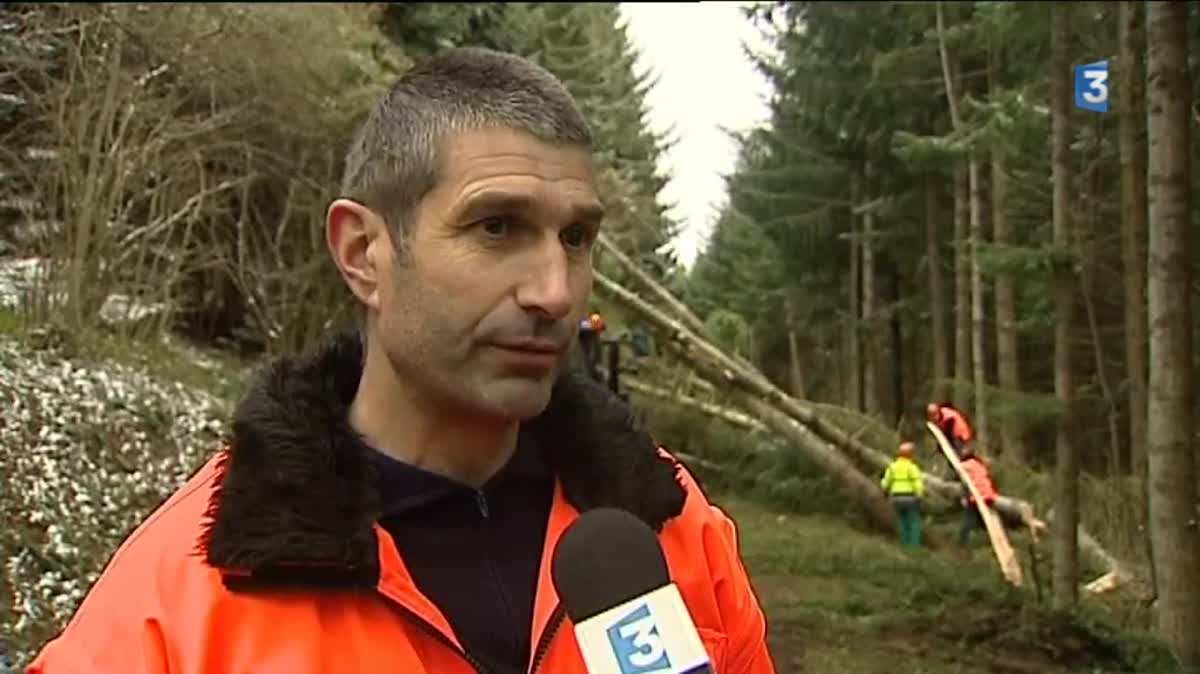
[591,212]
[482,203]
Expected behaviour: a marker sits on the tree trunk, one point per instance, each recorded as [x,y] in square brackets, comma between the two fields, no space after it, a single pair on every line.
[1131,71]
[962,289]
[853,334]
[978,357]
[795,370]
[963,188]
[662,295]
[1066,548]
[937,293]
[899,354]
[726,414]
[1174,529]
[1132,136]
[1008,361]
[870,355]
[1085,245]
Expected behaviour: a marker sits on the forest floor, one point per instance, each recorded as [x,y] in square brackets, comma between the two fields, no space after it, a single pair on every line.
[841,600]
[838,599]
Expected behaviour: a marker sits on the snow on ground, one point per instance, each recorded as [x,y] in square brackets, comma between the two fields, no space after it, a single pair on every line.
[86,452]
[17,275]
[22,277]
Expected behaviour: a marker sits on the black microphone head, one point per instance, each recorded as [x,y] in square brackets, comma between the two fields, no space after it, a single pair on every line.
[604,558]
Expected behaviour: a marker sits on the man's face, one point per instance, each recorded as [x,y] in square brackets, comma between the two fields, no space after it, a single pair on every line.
[485,307]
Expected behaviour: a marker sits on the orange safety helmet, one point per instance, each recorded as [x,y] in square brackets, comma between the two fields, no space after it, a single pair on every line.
[906,449]
[597,321]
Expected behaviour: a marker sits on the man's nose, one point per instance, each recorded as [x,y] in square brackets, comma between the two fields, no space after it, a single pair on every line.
[546,286]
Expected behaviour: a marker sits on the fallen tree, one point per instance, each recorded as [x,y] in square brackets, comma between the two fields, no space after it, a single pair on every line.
[678,309]
[1117,572]
[816,436]
[726,414]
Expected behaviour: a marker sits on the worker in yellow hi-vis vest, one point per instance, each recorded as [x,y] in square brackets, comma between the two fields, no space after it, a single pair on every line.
[905,484]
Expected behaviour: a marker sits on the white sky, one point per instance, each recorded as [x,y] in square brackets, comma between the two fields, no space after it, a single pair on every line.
[704,83]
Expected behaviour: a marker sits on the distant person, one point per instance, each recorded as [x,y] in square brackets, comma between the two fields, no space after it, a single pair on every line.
[390,500]
[597,322]
[952,423]
[590,329]
[905,485]
[978,473]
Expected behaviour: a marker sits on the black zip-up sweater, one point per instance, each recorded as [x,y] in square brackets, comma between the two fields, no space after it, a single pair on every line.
[474,553]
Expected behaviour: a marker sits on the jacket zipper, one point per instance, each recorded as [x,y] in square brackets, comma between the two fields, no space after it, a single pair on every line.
[539,654]
[482,503]
[543,645]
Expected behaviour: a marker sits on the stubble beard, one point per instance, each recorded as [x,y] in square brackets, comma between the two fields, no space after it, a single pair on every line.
[472,388]
[455,375]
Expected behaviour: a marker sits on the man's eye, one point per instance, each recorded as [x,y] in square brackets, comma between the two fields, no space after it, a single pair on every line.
[495,227]
[574,236]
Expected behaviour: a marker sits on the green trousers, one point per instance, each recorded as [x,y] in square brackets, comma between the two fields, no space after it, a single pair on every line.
[908,512]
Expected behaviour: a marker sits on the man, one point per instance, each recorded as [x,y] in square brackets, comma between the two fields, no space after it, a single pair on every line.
[590,330]
[953,424]
[979,475]
[391,501]
[903,482]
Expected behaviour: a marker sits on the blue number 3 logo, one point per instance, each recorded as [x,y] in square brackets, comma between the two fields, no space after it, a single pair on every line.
[637,644]
[1091,86]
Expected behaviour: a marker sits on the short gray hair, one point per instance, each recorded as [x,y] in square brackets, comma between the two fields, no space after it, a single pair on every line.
[396,156]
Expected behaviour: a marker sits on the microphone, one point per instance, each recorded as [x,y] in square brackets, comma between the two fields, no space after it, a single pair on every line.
[611,576]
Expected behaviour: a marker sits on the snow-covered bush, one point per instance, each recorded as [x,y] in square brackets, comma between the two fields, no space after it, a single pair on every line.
[86,451]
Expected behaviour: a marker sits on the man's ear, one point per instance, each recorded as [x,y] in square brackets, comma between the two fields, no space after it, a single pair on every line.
[356,237]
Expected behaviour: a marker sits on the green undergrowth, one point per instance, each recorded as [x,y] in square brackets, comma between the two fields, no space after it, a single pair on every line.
[847,601]
[166,357]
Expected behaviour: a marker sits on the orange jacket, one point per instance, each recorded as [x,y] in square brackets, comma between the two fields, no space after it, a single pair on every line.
[957,423]
[316,593]
[978,473]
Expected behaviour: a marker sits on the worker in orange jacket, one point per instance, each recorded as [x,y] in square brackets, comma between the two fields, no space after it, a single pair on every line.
[952,423]
[981,477]
[590,330]
[390,503]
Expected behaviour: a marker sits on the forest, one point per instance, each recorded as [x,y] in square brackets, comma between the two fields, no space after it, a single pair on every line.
[929,215]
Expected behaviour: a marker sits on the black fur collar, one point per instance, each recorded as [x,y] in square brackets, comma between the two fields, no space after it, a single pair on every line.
[295,500]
